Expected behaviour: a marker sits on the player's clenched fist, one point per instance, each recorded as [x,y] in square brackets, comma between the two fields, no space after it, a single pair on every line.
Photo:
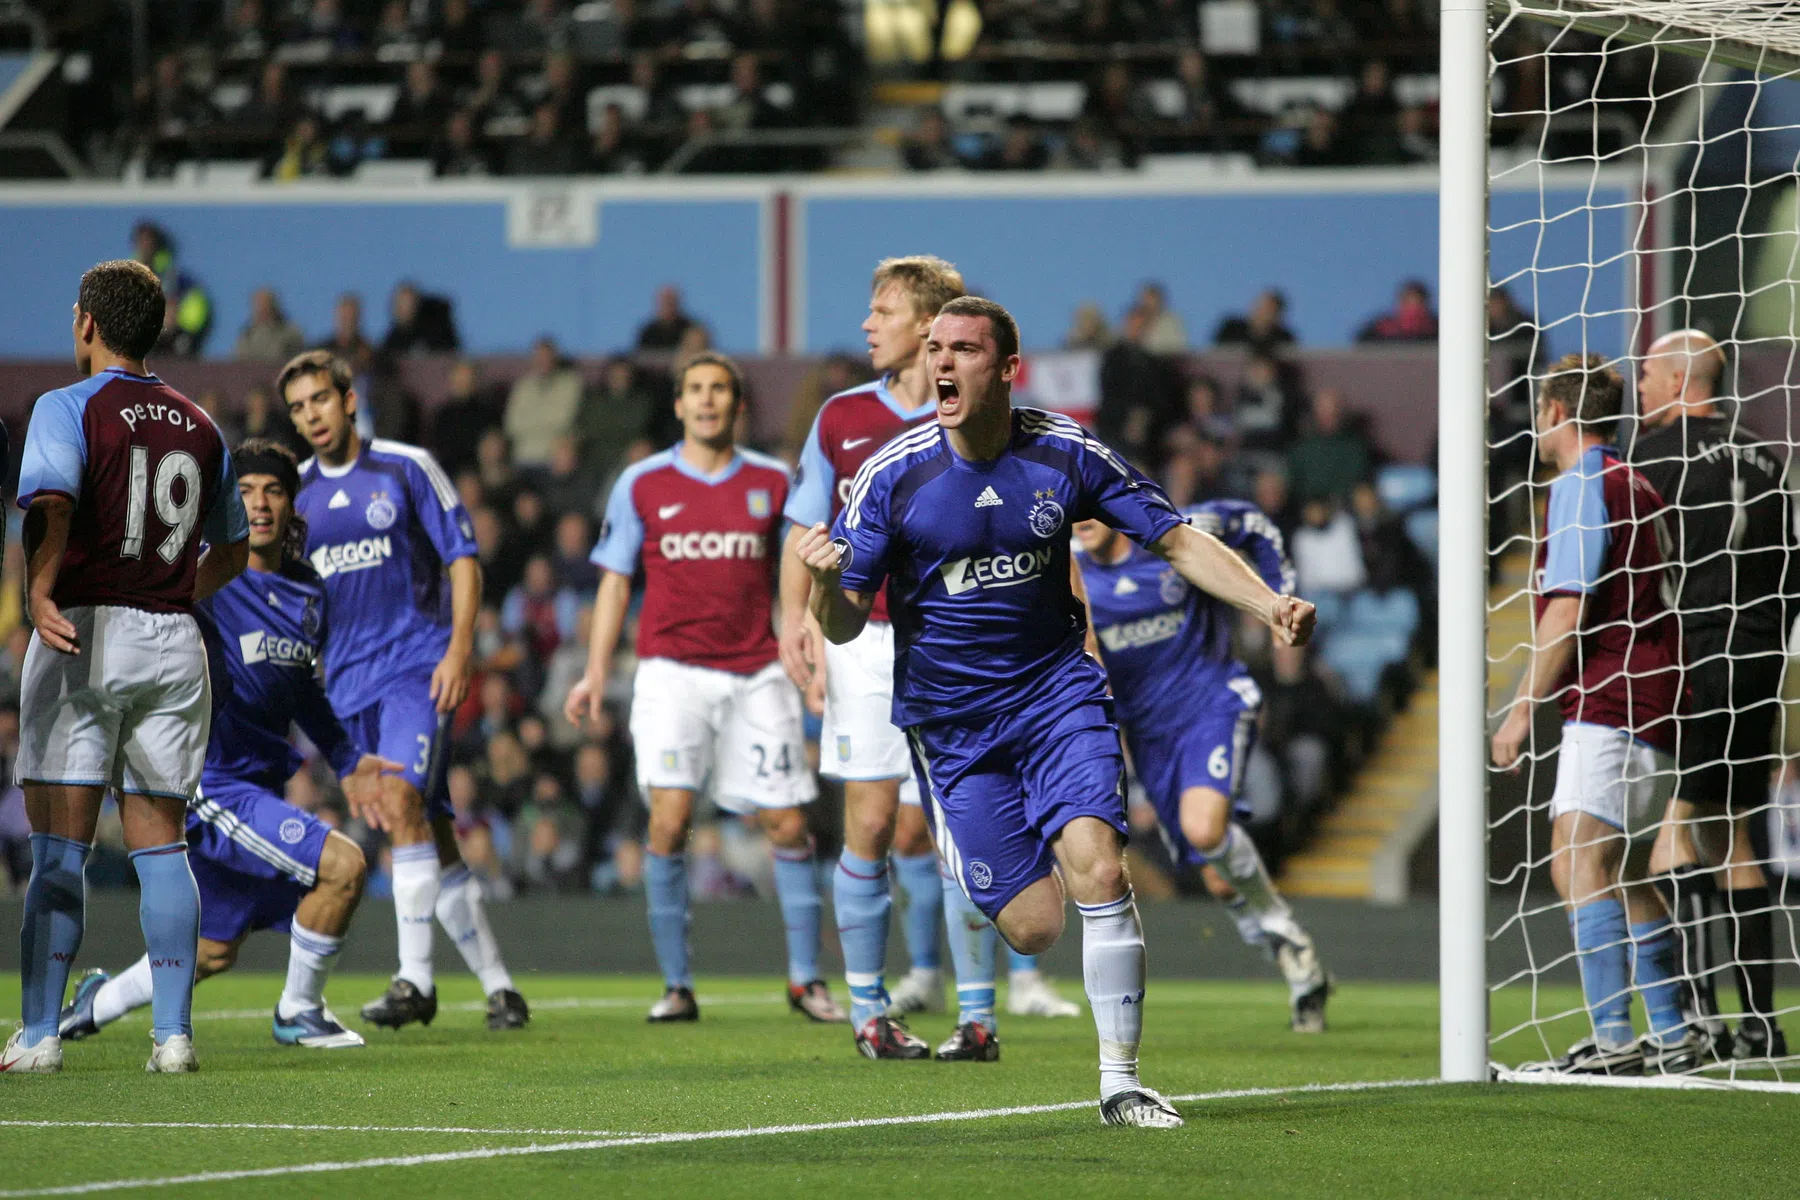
[820,554]
[1292,619]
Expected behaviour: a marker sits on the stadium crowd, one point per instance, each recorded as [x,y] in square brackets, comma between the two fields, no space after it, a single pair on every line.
[542,807]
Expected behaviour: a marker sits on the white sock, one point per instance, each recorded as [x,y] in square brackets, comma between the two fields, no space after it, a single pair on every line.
[309,962]
[415,895]
[125,991]
[1236,858]
[1112,967]
[464,916]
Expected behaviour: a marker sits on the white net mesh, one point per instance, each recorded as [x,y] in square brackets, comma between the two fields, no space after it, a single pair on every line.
[1642,181]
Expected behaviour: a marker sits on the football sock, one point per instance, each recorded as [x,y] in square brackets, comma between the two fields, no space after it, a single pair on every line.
[863,903]
[125,991]
[169,910]
[49,936]
[416,886]
[1600,945]
[1653,972]
[1020,964]
[1753,948]
[1237,859]
[975,954]
[1249,925]
[1693,901]
[309,962]
[923,915]
[464,917]
[1113,969]
[666,887]
[802,909]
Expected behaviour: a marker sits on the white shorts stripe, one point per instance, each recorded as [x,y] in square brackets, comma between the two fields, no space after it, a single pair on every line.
[233,827]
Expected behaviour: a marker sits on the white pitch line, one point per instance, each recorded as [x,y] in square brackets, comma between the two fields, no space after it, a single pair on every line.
[1685,1083]
[311,1128]
[552,1005]
[663,1139]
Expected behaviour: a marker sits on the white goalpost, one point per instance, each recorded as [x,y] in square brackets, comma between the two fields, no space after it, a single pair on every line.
[1611,171]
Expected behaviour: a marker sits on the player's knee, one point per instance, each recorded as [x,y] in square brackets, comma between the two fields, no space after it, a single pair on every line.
[912,836]
[869,830]
[342,866]
[1204,821]
[668,833]
[785,828]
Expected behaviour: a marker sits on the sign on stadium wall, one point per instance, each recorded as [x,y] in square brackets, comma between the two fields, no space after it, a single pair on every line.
[1066,381]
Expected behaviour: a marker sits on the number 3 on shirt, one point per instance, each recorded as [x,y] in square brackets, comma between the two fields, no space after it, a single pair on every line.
[179,515]
[424,753]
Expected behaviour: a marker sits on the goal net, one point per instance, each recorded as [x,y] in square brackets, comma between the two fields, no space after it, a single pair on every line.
[1640,180]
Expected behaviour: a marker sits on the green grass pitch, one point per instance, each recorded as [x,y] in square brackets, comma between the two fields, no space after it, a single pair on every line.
[591,1073]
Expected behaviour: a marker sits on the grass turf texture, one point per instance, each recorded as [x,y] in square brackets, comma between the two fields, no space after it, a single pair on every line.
[589,1063]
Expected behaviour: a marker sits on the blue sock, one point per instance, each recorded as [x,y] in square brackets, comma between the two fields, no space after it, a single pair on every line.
[1653,973]
[169,911]
[666,888]
[924,914]
[55,911]
[1020,962]
[797,888]
[975,950]
[860,895]
[1601,940]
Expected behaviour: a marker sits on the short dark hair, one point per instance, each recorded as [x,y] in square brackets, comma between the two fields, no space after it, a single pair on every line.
[314,362]
[126,300]
[1006,330]
[1590,391]
[711,358]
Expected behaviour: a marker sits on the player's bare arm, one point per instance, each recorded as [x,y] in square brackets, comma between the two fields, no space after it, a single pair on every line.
[1213,567]
[611,599]
[450,681]
[218,566]
[841,614]
[1078,585]
[46,538]
[802,657]
[1553,646]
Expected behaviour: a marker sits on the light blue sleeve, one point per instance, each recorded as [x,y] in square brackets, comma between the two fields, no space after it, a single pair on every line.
[1578,534]
[227,523]
[809,500]
[621,532]
[55,456]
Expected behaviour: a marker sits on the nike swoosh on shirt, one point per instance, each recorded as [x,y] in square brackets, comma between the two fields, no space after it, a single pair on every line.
[668,510]
[853,443]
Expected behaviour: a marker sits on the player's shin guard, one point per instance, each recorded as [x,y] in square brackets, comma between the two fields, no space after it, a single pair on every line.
[1752,946]
[863,903]
[923,915]
[169,910]
[1653,973]
[666,888]
[1238,860]
[310,956]
[49,936]
[975,953]
[464,917]
[1113,968]
[416,886]
[1601,939]
[802,910]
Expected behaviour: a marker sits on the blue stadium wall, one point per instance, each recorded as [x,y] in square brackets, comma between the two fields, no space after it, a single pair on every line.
[785,265]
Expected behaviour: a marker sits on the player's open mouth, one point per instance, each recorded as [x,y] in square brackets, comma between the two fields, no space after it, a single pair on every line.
[946,390]
[262,524]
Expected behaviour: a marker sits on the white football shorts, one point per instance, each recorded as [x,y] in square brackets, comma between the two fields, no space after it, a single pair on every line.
[132,711]
[739,736]
[1605,772]
[858,739]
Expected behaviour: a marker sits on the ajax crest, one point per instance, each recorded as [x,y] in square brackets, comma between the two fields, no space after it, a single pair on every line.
[381,511]
[292,830]
[1171,587]
[1045,516]
[310,618]
[980,875]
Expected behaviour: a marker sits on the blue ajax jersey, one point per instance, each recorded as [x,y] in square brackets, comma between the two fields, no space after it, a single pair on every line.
[1165,643]
[976,557]
[380,532]
[263,637]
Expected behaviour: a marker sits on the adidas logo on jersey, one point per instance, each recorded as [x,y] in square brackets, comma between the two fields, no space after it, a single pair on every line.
[1125,587]
[988,498]
[340,500]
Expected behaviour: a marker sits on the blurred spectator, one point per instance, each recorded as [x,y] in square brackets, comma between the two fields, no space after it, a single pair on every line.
[273,108]
[664,330]
[1327,550]
[749,106]
[1321,143]
[568,483]
[243,38]
[1306,723]
[542,405]
[268,336]
[1089,148]
[424,103]
[422,323]
[459,153]
[304,155]
[1265,409]
[396,38]
[458,33]
[822,381]
[494,468]
[347,340]
[166,105]
[320,31]
[491,99]
[615,418]
[1020,148]
[537,612]
[188,313]
[1115,107]
[1369,119]
[1206,109]
[575,572]
[1088,330]
[1269,490]
[1388,553]
[560,88]
[1410,320]
[928,147]
[263,418]
[469,410]
[1333,455]
[1139,395]
[1418,141]
[1196,470]
[1262,330]
[1163,331]
[546,150]
[612,152]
